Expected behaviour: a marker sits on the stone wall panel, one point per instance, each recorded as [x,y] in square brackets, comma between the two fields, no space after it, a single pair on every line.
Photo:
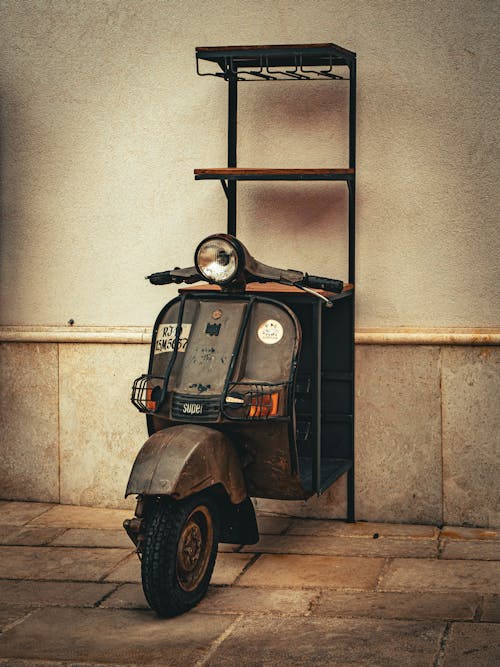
[471,428]
[398,434]
[101,432]
[29,467]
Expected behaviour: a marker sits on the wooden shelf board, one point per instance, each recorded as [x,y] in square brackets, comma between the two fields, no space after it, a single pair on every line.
[243,173]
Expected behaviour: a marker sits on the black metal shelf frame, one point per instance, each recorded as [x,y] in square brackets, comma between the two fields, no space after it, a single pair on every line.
[318,62]
[233,61]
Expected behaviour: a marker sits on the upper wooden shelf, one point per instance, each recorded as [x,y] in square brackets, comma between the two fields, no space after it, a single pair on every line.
[244,174]
[277,55]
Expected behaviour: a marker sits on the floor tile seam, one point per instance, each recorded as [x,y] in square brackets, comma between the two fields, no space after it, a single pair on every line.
[400,538]
[474,622]
[452,560]
[33,606]
[41,548]
[204,661]
[72,526]
[9,626]
[443,640]
[66,546]
[314,602]
[383,570]
[264,613]
[245,568]
[55,537]
[285,530]
[66,580]
[441,546]
[30,521]
[341,555]
[106,596]
[284,552]
[478,615]
[117,565]
[443,591]
[409,619]
[28,662]
[239,585]
[80,546]
[305,587]
[408,543]
[484,559]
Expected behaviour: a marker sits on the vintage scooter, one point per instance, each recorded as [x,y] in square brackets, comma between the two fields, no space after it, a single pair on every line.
[220,397]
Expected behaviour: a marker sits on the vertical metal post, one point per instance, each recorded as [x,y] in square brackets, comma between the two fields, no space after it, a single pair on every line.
[316,462]
[352,272]
[352,232]
[352,114]
[352,165]
[350,473]
[231,151]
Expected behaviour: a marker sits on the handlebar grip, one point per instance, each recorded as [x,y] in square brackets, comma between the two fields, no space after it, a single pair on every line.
[328,284]
[161,278]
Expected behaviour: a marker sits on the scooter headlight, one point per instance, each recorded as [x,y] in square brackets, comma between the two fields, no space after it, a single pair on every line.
[218,259]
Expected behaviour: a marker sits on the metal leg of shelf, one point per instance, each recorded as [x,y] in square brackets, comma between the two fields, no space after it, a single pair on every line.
[352,231]
[352,165]
[351,516]
[352,114]
[317,330]
[350,495]
[350,474]
[231,152]
[231,208]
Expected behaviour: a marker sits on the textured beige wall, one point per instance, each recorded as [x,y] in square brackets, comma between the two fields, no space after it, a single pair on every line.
[103,120]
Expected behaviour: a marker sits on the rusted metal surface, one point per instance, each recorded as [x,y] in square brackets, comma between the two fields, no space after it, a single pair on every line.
[193,550]
[184,459]
[271,457]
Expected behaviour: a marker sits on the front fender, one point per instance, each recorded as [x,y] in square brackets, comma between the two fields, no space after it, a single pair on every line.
[181,460]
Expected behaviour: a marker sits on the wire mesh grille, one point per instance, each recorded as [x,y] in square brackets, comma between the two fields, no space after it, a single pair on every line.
[146,392]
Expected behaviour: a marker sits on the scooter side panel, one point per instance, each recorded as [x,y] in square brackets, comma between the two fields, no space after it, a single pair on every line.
[268,359]
[182,460]
[269,471]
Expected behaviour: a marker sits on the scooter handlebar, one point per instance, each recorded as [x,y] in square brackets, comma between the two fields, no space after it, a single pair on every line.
[178,276]
[161,278]
[328,284]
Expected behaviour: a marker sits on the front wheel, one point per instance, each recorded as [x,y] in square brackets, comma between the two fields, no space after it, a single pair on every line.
[179,553]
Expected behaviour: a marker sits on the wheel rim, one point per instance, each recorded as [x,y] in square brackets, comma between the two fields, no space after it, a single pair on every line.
[194,548]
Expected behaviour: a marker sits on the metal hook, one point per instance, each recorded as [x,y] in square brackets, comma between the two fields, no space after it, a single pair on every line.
[293,73]
[258,73]
[286,73]
[328,73]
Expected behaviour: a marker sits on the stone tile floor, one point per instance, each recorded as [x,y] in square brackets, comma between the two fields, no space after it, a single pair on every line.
[310,593]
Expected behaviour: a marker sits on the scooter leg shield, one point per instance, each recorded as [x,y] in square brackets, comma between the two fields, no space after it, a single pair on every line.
[181,460]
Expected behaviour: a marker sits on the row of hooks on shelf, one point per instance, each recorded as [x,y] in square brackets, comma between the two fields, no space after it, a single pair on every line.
[264,69]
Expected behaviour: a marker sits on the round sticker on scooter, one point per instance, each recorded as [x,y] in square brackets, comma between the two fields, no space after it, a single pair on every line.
[270,332]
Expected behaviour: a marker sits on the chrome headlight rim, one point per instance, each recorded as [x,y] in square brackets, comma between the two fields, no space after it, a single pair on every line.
[240,258]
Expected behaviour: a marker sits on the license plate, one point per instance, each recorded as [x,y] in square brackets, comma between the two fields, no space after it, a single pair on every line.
[165,338]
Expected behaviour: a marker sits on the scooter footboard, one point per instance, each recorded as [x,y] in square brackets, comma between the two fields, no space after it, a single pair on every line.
[185,459]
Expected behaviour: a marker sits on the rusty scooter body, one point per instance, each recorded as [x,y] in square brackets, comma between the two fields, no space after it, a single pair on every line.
[220,397]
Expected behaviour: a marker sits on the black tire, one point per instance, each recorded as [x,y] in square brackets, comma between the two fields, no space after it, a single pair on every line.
[179,552]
